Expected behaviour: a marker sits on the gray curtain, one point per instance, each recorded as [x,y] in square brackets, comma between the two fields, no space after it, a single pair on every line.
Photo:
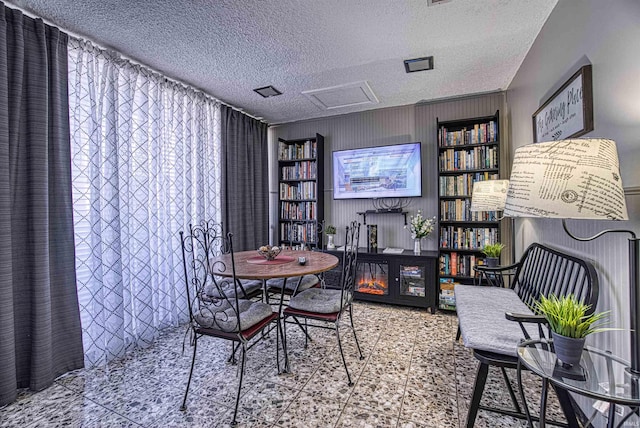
[40,334]
[245,179]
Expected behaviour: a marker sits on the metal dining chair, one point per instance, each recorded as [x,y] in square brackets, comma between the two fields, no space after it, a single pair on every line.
[327,306]
[218,304]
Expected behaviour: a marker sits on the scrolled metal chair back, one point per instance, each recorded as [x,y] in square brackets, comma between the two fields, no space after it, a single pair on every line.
[350,262]
[210,303]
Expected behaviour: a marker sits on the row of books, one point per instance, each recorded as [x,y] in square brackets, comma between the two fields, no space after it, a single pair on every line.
[298,232]
[304,170]
[298,210]
[305,150]
[459,264]
[304,190]
[476,158]
[467,238]
[481,133]
[462,185]
[460,210]
[447,299]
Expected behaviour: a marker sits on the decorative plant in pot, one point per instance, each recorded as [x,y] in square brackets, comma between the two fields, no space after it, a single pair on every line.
[492,251]
[570,325]
[330,231]
[420,227]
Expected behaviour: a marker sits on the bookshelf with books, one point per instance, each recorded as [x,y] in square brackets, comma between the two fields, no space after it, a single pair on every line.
[468,151]
[300,190]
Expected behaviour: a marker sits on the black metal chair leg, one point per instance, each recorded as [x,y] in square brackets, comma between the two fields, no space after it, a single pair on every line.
[193,361]
[304,330]
[283,333]
[510,389]
[278,334]
[344,361]
[232,357]
[478,389]
[353,328]
[567,408]
[524,400]
[543,404]
[242,361]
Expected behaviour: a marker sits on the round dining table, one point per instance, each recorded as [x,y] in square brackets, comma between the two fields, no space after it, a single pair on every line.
[251,265]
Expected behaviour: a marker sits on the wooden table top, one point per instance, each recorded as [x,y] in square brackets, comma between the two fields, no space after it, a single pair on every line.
[316,262]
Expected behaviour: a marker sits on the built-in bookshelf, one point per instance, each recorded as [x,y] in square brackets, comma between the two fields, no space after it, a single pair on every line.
[301,195]
[468,151]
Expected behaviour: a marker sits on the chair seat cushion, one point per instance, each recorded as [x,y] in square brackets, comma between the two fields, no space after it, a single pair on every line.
[307,282]
[481,316]
[320,300]
[221,315]
[251,286]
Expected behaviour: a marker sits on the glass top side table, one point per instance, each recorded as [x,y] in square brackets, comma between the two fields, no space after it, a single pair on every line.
[600,375]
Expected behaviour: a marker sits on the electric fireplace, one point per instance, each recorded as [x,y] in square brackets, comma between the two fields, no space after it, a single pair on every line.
[372,278]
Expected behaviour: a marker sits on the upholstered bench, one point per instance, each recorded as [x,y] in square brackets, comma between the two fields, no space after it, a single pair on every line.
[486,314]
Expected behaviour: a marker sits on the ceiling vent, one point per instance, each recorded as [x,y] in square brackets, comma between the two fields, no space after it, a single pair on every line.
[268,91]
[347,95]
[436,2]
[418,64]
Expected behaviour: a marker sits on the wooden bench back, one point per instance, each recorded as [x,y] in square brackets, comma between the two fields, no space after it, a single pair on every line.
[545,271]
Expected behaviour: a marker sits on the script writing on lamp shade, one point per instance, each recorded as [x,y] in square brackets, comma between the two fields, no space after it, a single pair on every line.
[576,178]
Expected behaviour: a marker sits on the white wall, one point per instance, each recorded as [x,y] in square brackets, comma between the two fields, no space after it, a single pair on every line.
[605,34]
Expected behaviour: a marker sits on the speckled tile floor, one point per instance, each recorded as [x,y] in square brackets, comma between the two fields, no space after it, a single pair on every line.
[413,375]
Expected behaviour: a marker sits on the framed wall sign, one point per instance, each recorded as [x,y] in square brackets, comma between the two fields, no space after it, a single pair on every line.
[568,112]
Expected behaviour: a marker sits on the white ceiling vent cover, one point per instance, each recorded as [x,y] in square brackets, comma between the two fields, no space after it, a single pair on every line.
[347,95]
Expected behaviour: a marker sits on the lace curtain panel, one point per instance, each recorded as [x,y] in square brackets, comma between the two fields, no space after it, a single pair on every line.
[145,164]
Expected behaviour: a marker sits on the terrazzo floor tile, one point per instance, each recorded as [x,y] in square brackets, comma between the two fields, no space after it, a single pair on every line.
[413,376]
[389,370]
[267,401]
[310,411]
[378,395]
[433,407]
[354,416]
[331,383]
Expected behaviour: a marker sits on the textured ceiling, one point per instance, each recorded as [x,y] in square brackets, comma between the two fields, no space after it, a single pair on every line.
[227,48]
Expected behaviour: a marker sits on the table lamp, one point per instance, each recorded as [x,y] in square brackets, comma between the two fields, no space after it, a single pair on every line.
[576,179]
[491,195]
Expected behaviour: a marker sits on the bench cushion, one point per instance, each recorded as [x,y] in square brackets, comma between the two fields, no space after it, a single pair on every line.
[482,322]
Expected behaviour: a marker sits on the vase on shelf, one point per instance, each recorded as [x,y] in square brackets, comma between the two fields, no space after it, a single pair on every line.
[417,247]
[330,244]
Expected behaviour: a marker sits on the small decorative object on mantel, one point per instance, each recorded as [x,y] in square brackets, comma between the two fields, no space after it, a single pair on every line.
[492,251]
[568,113]
[372,238]
[330,231]
[420,227]
[269,252]
[570,325]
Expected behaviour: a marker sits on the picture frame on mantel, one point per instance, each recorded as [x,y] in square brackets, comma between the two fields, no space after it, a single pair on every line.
[568,113]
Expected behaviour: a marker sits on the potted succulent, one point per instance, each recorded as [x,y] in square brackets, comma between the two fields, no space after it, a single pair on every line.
[330,231]
[570,325]
[492,251]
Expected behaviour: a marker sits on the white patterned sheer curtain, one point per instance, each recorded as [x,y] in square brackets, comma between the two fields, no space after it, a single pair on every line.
[146,163]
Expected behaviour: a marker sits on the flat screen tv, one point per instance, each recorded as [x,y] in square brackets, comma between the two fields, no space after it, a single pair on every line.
[378,172]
